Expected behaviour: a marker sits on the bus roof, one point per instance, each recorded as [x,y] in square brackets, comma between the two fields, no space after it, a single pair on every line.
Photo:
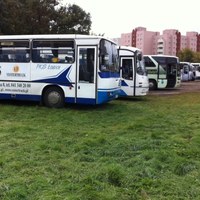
[46,36]
[129,48]
[162,55]
[128,51]
[53,36]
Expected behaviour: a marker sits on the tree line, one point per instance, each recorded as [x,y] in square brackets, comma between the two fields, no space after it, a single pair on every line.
[42,17]
[53,17]
[187,55]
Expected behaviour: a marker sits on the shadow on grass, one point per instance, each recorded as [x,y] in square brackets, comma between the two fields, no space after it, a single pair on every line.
[106,106]
[109,105]
[72,106]
[19,103]
[133,99]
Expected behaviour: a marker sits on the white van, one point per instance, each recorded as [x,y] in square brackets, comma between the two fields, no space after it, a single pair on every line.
[187,71]
[197,70]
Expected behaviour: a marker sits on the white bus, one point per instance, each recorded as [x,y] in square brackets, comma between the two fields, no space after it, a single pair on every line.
[134,79]
[163,71]
[59,69]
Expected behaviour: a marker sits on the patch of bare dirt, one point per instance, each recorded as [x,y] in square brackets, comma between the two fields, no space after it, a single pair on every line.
[189,86]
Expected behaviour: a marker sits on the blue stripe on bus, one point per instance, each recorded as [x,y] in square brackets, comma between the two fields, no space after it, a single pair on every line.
[22,97]
[123,83]
[62,78]
[103,97]
[122,93]
[86,101]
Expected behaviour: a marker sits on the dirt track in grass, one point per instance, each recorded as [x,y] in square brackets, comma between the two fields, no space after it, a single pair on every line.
[189,86]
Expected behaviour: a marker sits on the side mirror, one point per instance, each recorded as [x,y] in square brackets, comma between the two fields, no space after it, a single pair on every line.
[139,57]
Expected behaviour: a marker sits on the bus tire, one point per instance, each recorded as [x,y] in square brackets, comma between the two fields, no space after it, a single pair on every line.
[152,85]
[53,97]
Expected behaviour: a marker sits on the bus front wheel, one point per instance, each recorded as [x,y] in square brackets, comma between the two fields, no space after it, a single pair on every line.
[54,97]
[152,85]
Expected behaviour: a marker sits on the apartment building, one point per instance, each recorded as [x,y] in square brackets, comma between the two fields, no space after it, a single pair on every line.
[170,42]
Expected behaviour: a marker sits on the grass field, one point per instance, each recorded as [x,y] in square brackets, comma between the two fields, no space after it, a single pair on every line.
[146,148]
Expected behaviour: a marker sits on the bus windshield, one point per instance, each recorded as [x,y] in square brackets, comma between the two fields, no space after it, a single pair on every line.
[108,57]
[169,64]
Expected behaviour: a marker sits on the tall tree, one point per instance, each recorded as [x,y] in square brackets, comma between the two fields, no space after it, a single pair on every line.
[42,17]
[72,19]
[9,16]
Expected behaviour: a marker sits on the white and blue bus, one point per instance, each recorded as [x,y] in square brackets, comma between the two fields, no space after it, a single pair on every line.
[134,79]
[59,69]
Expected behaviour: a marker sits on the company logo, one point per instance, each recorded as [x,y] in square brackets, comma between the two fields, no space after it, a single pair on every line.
[16,68]
[15,72]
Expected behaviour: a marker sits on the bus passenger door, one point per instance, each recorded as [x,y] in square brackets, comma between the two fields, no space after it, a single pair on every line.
[162,76]
[128,77]
[86,75]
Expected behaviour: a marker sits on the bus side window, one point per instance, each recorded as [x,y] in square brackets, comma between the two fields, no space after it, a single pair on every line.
[53,51]
[4,58]
[148,62]
[14,51]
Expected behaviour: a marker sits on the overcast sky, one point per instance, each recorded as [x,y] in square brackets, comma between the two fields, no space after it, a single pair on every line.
[113,17]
